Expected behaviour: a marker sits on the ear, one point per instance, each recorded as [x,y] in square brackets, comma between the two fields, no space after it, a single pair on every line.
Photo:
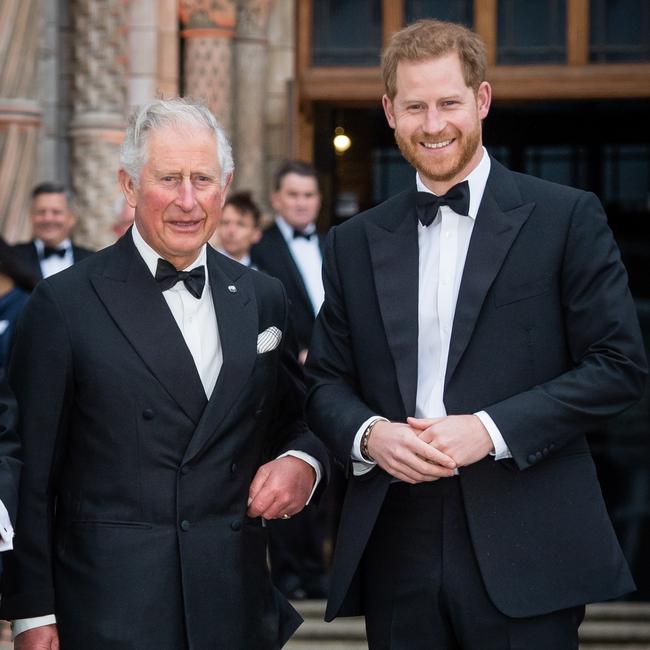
[225,188]
[128,188]
[484,99]
[389,111]
[257,235]
[275,202]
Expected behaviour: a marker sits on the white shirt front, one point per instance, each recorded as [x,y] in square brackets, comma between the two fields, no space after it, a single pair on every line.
[443,250]
[53,264]
[195,318]
[308,258]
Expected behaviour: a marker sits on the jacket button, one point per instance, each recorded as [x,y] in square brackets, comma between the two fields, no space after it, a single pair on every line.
[259,413]
[236,525]
[545,451]
[185,525]
[148,414]
[532,459]
[539,455]
[185,469]
[233,468]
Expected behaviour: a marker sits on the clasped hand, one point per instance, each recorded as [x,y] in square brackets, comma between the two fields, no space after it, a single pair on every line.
[428,449]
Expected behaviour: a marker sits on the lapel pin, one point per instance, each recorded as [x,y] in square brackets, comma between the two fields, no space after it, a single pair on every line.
[232,288]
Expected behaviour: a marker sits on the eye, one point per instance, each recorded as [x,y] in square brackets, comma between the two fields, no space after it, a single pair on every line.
[168,180]
[201,181]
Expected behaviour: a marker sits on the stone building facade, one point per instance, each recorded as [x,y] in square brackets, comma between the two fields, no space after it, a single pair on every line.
[72,70]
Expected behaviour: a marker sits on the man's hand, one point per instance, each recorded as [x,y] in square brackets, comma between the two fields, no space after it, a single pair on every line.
[462,437]
[280,487]
[45,637]
[399,451]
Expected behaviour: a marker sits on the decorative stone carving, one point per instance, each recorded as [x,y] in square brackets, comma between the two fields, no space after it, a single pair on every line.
[20,114]
[208,30]
[99,102]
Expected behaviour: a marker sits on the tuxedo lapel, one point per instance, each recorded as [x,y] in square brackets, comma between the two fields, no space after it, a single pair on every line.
[34,260]
[393,243]
[236,311]
[283,249]
[500,217]
[135,302]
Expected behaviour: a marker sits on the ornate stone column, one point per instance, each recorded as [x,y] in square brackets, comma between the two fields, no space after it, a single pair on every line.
[208,30]
[20,113]
[99,108]
[251,53]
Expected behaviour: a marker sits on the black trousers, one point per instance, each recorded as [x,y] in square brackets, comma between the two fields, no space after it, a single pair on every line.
[423,590]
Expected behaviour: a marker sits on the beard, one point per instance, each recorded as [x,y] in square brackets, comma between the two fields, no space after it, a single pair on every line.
[448,167]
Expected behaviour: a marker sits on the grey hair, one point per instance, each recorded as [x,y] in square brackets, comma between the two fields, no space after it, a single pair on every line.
[159,113]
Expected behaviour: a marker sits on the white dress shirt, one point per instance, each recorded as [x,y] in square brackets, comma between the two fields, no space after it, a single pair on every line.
[197,321]
[442,252]
[53,264]
[308,258]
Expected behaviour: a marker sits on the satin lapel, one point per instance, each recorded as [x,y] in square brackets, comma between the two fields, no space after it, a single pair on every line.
[136,304]
[237,321]
[500,217]
[35,262]
[393,241]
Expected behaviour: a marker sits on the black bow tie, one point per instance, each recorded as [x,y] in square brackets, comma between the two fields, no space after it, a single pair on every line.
[457,198]
[48,251]
[167,277]
[301,233]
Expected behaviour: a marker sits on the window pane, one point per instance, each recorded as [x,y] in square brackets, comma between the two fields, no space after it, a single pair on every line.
[457,11]
[619,30]
[627,176]
[337,37]
[560,164]
[531,32]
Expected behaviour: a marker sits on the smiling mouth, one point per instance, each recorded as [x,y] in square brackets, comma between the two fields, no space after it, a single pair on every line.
[436,145]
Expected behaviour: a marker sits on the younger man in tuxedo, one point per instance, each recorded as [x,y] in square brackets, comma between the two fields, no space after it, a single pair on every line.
[475,328]
[239,227]
[51,249]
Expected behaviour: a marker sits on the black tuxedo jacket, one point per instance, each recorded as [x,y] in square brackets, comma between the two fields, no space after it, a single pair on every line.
[545,339]
[10,463]
[272,255]
[132,526]
[28,254]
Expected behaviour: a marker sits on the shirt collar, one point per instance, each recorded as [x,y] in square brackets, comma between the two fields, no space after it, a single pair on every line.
[287,230]
[151,258]
[246,260]
[477,180]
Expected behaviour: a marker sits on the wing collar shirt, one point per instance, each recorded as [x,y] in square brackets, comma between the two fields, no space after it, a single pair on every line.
[53,264]
[197,322]
[308,258]
[442,252]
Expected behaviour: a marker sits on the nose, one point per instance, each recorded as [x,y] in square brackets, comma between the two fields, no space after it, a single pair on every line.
[186,199]
[433,121]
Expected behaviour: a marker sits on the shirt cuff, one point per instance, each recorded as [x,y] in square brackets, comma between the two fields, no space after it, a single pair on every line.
[310,460]
[21,625]
[6,530]
[501,450]
[359,464]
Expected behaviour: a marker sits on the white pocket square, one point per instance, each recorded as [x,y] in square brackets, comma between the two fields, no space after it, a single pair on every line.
[268,340]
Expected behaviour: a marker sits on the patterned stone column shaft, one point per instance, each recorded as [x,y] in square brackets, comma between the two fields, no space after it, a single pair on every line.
[20,113]
[251,50]
[99,104]
[208,30]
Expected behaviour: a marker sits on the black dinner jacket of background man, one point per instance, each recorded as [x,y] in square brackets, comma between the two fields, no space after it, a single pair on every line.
[28,254]
[273,256]
[132,526]
[545,339]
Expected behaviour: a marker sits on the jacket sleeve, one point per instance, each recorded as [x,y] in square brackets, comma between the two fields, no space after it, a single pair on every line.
[608,365]
[41,377]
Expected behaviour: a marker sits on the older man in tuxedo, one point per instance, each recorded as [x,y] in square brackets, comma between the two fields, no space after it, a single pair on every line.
[161,423]
[51,249]
[475,328]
